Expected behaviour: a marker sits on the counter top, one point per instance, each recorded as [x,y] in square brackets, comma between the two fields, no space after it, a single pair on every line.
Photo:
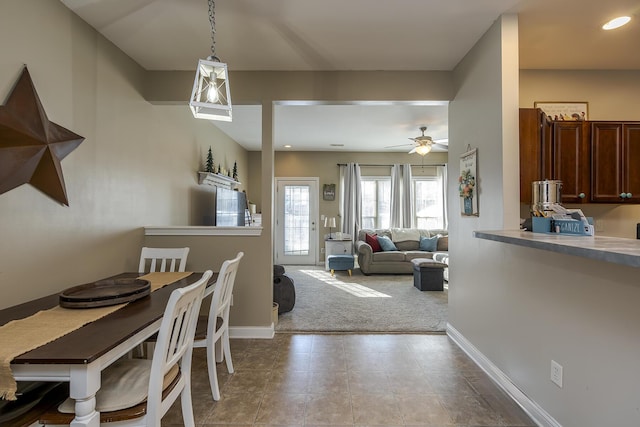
[609,249]
[197,230]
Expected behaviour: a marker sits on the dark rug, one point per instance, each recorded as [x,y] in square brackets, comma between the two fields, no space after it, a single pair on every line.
[375,303]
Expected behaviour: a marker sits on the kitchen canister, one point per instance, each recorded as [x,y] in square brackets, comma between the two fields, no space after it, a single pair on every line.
[545,194]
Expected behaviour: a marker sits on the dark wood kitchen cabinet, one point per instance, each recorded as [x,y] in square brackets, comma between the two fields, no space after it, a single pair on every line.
[571,160]
[535,150]
[615,162]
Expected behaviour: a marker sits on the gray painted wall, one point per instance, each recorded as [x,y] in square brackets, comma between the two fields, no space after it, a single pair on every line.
[522,307]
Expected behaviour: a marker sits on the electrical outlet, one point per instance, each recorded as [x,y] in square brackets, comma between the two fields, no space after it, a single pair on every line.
[556,373]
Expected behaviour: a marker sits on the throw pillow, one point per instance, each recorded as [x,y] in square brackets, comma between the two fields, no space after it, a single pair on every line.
[443,243]
[386,244]
[373,242]
[428,244]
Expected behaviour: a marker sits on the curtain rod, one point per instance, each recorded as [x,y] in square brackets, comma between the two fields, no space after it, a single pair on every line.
[370,165]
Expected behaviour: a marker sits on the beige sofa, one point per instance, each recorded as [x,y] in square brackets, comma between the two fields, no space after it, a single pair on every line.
[407,241]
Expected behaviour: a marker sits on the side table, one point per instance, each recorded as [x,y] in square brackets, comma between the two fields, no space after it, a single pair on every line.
[336,247]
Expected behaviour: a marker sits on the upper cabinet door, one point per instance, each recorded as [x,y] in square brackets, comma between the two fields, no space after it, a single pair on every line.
[631,162]
[571,160]
[606,162]
[535,150]
[615,151]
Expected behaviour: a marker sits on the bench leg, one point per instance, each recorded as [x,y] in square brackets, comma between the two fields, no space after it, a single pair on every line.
[332,272]
[349,272]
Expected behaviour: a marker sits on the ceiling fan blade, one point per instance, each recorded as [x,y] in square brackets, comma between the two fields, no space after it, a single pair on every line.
[444,141]
[401,145]
[413,150]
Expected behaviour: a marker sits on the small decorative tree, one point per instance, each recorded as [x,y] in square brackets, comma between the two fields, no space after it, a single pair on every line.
[219,168]
[235,171]
[209,166]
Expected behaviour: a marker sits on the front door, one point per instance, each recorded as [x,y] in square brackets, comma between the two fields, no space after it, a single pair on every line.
[296,237]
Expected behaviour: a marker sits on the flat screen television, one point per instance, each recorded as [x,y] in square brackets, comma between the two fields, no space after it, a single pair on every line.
[230,208]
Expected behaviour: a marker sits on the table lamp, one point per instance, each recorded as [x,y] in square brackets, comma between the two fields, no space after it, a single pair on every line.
[330,222]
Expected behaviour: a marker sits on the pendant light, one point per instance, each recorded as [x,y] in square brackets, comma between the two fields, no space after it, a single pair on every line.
[210,98]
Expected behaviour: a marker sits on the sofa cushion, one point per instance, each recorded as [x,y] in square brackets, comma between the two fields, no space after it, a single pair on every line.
[386,244]
[428,244]
[405,234]
[392,256]
[443,244]
[410,255]
[408,245]
[372,240]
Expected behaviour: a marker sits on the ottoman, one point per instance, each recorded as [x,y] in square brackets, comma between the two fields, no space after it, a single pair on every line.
[428,274]
[340,262]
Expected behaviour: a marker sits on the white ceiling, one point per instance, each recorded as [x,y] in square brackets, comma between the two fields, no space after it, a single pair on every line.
[357,35]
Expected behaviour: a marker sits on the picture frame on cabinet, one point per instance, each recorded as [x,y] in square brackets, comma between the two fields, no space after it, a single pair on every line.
[564,111]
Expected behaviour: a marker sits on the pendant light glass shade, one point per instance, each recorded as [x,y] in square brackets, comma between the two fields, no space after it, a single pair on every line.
[210,98]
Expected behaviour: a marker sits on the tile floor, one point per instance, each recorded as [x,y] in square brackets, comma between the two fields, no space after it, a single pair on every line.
[349,380]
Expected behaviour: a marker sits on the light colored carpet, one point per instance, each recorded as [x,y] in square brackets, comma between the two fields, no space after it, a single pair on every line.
[375,303]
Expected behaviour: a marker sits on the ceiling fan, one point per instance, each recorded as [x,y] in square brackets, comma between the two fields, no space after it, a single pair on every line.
[423,143]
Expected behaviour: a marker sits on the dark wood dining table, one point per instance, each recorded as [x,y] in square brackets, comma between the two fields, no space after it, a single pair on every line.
[80,356]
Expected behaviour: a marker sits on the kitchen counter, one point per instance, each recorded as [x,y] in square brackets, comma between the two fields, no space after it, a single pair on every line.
[609,249]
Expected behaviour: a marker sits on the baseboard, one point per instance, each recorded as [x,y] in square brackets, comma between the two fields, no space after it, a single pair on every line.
[246,332]
[535,411]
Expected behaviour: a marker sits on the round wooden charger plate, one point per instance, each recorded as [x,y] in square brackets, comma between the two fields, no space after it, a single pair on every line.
[104,293]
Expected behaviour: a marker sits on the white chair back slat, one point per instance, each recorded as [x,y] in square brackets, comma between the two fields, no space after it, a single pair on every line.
[159,258]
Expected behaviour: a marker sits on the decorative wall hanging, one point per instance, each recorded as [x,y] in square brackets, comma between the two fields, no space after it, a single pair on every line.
[467,183]
[31,147]
[329,192]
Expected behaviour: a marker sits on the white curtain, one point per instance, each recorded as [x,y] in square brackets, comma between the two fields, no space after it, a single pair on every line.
[401,196]
[397,218]
[351,199]
[407,192]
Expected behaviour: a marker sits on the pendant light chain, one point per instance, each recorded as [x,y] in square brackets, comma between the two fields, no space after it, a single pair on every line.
[212,20]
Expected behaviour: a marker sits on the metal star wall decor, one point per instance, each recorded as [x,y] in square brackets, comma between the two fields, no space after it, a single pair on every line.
[31,147]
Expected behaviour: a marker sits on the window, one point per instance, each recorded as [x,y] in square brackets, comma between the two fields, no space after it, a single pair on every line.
[428,202]
[376,202]
[428,193]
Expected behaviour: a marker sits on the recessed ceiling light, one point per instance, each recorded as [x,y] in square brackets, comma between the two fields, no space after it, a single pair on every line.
[616,23]
[287,146]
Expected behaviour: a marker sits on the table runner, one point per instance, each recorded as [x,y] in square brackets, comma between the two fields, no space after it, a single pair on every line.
[23,335]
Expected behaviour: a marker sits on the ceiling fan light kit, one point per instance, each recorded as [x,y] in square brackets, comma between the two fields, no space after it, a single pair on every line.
[424,142]
[211,97]
[422,149]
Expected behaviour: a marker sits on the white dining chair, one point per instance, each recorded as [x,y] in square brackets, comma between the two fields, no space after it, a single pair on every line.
[162,259]
[214,327]
[139,392]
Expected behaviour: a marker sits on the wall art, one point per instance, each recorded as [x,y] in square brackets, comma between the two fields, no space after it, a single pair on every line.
[329,192]
[468,183]
[31,147]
